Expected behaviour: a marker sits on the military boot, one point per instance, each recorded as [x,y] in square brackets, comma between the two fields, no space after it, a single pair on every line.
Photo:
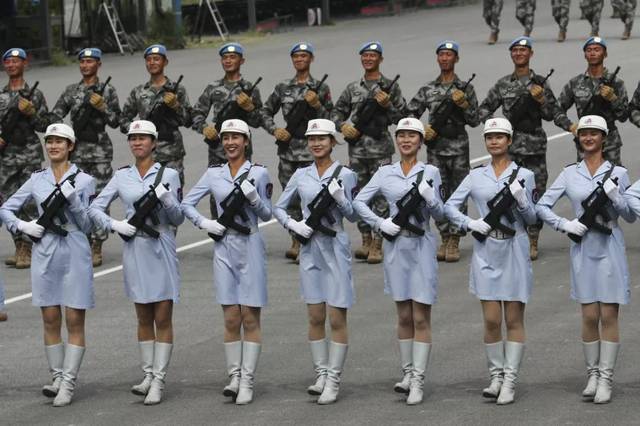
[442,250]
[452,253]
[533,245]
[11,260]
[362,253]
[626,34]
[96,252]
[562,36]
[527,33]
[493,37]
[375,254]
[292,253]
[23,256]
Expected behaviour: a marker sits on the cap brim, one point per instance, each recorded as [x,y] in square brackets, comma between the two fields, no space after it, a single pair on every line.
[319,133]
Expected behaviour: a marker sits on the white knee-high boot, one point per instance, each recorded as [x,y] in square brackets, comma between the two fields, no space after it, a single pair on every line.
[55,359]
[406,359]
[513,353]
[250,356]
[233,357]
[337,357]
[608,357]
[495,361]
[592,359]
[421,355]
[146,358]
[320,357]
[72,360]
[161,359]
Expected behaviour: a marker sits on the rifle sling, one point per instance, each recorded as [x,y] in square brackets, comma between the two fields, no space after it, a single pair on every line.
[514,175]
[159,177]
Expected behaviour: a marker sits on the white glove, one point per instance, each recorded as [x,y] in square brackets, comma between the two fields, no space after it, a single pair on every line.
[519,194]
[337,192]
[299,228]
[573,227]
[213,226]
[427,192]
[250,192]
[611,189]
[479,226]
[162,192]
[388,227]
[69,192]
[122,227]
[31,228]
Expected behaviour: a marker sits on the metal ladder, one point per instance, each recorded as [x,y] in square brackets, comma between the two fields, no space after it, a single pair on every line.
[121,37]
[217,19]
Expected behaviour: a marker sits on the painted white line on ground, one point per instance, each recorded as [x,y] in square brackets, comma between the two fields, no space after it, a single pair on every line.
[473,162]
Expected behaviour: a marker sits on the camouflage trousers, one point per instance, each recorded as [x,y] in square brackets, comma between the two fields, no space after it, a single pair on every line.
[491,10]
[538,165]
[560,12]
[365,168]
[453,170]
[12,177]
[626,10]
[102,173]
[525,11]
[592,10]
[286,169]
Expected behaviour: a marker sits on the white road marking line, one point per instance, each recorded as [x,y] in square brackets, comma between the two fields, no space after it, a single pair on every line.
[473,162]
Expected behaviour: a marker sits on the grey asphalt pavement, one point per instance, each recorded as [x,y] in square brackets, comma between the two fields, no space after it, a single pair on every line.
[552,372]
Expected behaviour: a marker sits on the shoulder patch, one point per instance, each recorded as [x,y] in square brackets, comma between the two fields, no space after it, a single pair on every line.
[269,190]
[443,192]
[354,191]
[535,195]
[125,167]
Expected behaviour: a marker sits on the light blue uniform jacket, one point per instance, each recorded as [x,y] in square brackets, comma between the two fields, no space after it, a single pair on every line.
[61,267]
[410,265]
[239,261]
[325,261]
[500,268]
[150,266]
[599,270]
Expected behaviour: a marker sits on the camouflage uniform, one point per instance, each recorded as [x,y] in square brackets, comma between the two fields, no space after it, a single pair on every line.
[22,155]
[367,154]
[529,142]
[93,152]
[214,98]
[525,11]
[626,10]
[294,154]
[592,9]
[560,12]
[634,107]
[578,91]
[491,10]
[141,101]
[450,153]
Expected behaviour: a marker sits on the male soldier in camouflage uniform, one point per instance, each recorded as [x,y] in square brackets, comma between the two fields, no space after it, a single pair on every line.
[525,11]
[592,10]
[525,101]
[226,98]
[491,10]
[634,107]
[301,91]
[592,96]
[93,150]
[451,106]
[560,12]
[20,149]
[372,146]
[159,101]
[626,11]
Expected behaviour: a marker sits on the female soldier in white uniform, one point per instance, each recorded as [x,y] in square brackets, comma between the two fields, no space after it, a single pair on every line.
[150,265]
[61,272]
[501,274]
[239,259]
[325,260]
[410,265]
[599,271]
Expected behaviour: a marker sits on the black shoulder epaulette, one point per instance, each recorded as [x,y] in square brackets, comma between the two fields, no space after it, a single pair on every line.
[125,167]
[569,165]
[217,165]
[259,165]
[478,166]
[39,171]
